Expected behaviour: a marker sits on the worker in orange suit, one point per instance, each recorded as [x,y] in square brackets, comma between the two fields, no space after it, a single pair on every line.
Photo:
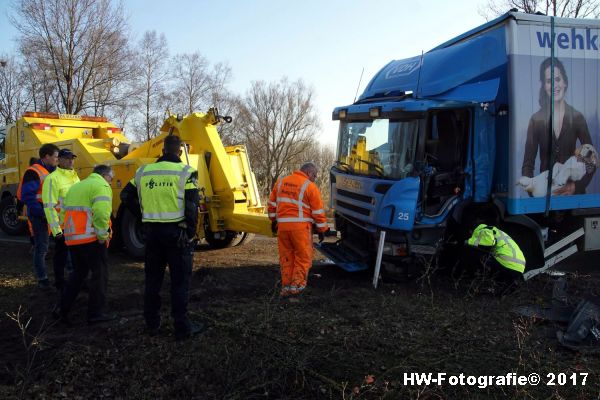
[295,205]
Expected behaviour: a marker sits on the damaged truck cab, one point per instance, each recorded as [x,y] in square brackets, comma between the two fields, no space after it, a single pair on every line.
[438,142]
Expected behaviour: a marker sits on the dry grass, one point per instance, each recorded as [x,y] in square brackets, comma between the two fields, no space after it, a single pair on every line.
[344,340]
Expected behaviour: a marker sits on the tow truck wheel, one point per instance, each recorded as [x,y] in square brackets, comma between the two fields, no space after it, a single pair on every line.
[227,239]
[132,234]
[242,238]
[9,218]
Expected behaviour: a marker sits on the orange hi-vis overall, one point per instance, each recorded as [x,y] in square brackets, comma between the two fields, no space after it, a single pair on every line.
[42,173]
[295,203]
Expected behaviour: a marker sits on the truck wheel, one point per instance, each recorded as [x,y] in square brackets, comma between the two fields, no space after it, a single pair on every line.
[9,218]
[132,235]
[397,272]
[242,238]
[221,241]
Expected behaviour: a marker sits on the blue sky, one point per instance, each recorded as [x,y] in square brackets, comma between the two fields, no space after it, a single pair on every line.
[326,43]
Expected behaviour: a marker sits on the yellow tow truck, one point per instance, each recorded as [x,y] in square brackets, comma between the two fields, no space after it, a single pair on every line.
[230,209]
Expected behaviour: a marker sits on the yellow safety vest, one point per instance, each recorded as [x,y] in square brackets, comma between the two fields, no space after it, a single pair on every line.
[88,208]
[55,188]
[504,249]
[161,190]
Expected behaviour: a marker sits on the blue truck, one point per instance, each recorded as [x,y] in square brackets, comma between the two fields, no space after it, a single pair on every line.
[498,125]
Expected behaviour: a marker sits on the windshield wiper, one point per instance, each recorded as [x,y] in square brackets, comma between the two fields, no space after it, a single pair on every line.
[346,167]
[377,167]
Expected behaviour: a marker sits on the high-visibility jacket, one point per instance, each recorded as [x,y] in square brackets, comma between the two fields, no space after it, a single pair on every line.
[503,248]
[88,208]
[161,190]
[42,173]
[295,201]
[55,188]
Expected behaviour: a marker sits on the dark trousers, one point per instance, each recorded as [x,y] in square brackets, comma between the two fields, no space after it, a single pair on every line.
[162,249]
[39,225]
[87,257]
[475,258]
[60,260]
[502,273]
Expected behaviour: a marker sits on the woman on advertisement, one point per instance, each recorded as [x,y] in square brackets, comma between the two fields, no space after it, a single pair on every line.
[573,166]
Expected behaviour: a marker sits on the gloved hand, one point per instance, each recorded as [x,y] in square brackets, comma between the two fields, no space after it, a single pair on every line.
[274,227]
[321,236]
[59,236]
[182,240]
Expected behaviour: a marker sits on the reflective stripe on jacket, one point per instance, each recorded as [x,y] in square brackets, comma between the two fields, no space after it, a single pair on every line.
[296,201]
[88,208]
[504,249]
[161,190]
[56,186]
[42,173]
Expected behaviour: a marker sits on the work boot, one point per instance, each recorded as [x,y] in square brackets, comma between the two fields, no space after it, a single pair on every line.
[195,328]
[58,315]
[294,299]
[103,317]
[44,284]
[152,330]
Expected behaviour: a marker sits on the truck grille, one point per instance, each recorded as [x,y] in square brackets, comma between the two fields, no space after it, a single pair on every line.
[352,207]
[355,196]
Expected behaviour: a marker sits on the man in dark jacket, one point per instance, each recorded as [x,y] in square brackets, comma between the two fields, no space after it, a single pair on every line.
[30,193]
[165,195]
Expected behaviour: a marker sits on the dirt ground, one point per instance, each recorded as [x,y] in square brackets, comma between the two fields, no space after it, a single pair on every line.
[343,340]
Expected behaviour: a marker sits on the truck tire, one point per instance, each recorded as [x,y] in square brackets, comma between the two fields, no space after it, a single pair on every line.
[9,218]
[230,239]
[132,235]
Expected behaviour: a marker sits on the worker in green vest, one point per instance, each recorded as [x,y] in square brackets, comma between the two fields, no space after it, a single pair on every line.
[165,195]
[55,188]
[87,213]
[506,257]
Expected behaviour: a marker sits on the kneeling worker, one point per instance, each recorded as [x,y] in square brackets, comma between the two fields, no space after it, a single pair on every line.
[508,260]
[87,212]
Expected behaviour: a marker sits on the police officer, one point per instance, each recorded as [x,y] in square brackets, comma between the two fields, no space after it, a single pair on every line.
[30,193]
[167,194]
[87,212]
[508,260]
[55,188]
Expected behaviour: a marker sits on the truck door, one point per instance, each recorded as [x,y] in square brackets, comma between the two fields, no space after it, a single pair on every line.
[445,154]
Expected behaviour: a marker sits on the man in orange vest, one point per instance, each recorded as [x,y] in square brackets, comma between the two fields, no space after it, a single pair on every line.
[87,211]
[295,204]
[30,193]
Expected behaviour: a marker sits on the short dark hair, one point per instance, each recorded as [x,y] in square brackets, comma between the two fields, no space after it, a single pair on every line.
[102,169]
[309,167]
[48,149]
[172,145]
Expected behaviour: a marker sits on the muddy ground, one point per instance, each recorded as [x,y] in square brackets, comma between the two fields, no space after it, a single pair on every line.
[343,340]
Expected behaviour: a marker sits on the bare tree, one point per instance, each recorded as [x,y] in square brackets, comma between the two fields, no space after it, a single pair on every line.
[73,40]
[197,85]
[13,98]
[278,121]
[557,8]
[109,88]
[38,82]
[229,104]
[150,85]
[324,157]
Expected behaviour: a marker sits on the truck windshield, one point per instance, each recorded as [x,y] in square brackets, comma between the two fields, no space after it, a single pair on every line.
[381,147]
